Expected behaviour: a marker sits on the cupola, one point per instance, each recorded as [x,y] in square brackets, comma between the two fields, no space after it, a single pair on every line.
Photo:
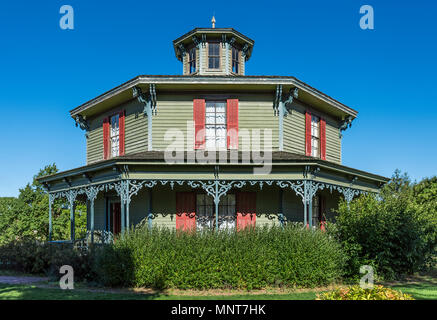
[213,51]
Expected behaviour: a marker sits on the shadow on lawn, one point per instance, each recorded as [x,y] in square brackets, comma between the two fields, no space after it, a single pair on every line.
[31,292]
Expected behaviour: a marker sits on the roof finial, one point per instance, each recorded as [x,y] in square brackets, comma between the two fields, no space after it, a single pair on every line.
[213,22]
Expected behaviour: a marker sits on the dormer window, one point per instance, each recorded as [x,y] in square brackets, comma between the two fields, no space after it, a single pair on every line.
[235,60]
[315,136]
[213,55]
[115,136]
[192,60]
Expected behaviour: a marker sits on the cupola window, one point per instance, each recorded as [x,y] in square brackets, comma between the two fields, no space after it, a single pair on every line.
[213,55]
[192,60]
[235,60]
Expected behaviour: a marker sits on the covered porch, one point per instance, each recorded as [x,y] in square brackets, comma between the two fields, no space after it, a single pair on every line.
[122,192]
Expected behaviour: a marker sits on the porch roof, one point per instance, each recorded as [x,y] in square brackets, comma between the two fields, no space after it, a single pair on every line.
[152,159]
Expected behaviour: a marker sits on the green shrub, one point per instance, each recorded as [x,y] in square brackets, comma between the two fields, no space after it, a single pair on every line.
[162,258]
[35,257]
[395,234]
[357,293]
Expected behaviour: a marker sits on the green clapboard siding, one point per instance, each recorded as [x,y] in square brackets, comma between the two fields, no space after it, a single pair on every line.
[173,125]
[294,131]
[255,114]
[175,112]
[135,131]
[333,142]
[294,134]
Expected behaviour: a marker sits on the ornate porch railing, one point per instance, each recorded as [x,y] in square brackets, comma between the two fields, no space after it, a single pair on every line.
[216,188]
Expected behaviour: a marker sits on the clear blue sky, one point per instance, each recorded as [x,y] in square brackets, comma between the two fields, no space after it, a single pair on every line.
[388,74]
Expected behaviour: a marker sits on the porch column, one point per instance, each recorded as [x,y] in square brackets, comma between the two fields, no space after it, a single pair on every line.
[281,214]
[127,216]
[216,202]
[149,216]
[310,210]
[123,216]
[92,219]
[50,217]
[72,222]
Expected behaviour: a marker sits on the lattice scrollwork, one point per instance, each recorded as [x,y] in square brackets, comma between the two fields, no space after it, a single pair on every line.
[298,187]
[216,188]
[172,183]
[261,183]
[348,193]
[70,195]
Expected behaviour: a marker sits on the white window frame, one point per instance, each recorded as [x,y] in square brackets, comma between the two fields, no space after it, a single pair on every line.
[215,127]
[114,135]
[315,136]
[205,209]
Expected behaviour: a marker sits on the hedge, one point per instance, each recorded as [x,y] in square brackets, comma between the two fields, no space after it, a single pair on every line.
[265,257]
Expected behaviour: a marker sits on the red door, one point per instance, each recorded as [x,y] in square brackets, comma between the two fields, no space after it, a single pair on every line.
[246,210]
[186,211]
[116,217]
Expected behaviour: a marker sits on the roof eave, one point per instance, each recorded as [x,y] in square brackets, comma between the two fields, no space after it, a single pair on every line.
[146,79]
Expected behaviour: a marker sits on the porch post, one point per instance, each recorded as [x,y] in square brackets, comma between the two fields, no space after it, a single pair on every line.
[305,203]
[216,202]
[92,219]
[123,216]
[310,209]
[72,222]
[50,217]
[149,217]
[127,216]
[281,214]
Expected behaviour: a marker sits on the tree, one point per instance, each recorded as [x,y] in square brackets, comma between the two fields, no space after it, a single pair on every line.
[27,215]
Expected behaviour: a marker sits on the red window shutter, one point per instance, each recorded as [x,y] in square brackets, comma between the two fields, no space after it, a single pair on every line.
[323,139]
[246,210]
[121,137]
[199,123]
[186,211]
[106,138]
[232,123]
[307,133]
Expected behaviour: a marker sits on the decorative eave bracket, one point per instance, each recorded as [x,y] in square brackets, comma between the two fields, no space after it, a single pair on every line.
[282,102]
[148,100]
[82,123]
[346,123]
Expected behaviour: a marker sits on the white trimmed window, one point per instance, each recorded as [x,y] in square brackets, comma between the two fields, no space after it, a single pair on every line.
[115,135]
[192,60]
[235,60]
[213,55]
[205,216]
[315,136]
[215,125]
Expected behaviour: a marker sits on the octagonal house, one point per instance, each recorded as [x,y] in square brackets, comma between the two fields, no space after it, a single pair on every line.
[211,148]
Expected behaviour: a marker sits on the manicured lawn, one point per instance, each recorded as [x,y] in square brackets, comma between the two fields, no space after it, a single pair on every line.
[29,292]
[422,287]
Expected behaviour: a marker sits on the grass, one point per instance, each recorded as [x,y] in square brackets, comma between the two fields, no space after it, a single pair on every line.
[32,292]
[421,287]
